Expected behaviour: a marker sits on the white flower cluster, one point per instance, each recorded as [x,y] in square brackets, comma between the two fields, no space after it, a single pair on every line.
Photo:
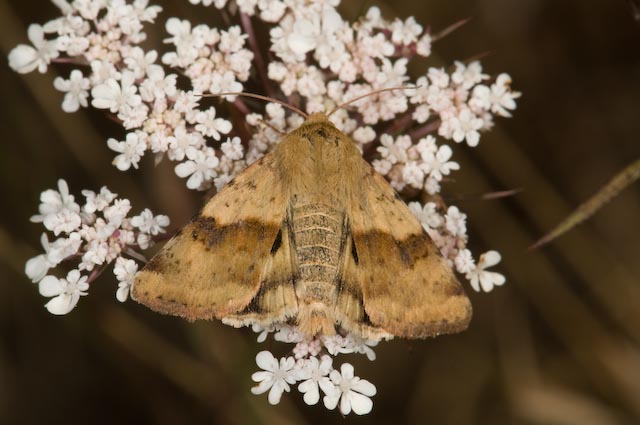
[316,61]
[311,368]
[93,236]
[449,232]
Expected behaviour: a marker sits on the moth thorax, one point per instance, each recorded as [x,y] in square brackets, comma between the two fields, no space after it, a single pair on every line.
[317,230]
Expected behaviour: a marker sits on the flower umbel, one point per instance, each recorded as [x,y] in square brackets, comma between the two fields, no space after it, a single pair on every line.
[318,61]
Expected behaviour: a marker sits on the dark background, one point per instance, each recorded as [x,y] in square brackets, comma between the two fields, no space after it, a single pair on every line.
[559,344]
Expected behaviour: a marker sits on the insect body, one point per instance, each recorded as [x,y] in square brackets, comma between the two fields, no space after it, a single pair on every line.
[310,234]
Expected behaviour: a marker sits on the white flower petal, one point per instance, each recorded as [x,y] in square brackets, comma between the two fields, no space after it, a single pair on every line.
[360,404]
[50,286]
[365,387]
[23,59]
[60,305]
[266,361]
[37,268]
[276,392]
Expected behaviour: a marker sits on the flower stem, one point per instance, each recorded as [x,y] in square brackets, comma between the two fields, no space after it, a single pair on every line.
[425,129]
[253,42]
[399,125]
[451,28]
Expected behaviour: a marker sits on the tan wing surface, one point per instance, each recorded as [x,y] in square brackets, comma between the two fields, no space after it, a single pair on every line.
[407,287]
[216,265]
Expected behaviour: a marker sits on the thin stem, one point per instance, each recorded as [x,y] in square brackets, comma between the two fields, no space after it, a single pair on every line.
[399,125]
[451,28]
[95,273]
[478,56]
[73,61]
[225,17]
[241,106]
[259,61]
[426,129]
[136,255]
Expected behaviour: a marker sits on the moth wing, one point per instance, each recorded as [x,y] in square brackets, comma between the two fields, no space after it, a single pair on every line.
[216,264]
[408,289]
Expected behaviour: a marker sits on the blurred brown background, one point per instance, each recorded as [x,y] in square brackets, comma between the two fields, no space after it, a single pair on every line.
[559,344]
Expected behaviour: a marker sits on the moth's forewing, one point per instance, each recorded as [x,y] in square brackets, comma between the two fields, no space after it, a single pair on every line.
[408,289]
[214,266]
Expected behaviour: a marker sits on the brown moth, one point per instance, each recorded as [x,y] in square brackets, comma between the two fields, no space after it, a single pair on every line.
[308,235]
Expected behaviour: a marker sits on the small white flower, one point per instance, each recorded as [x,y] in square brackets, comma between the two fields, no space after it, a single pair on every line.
[98,202]
[484,280]
[233,149]
[468,76]
[76,88]
[183,141]
[211,126]
[52,202]
[405,32]
[62,248]
[334,343]
[314,375]
[200,168]
[262,331]
[95,255]
[24,58]
[365,134]
[432,186]
[157,85]
[37,267]
[428,215]
[147,223]
[65,292]
[275,376]
[131,150]
[116,213]
[138,60]
[355,344]
[456,221]
[103,70]
[426,145]
[307,348]
[464,261]
[438,164]
[394,150]
[144,240]
[125,271]
[352,392]
[466,126]
[65,221]
[232,40]
[502,98]
[288,334]
[423,46]
[438,77]
[225,82]
[114,95]
[413,175]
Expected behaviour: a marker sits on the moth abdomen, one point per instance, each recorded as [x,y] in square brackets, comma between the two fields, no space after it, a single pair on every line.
[317,230]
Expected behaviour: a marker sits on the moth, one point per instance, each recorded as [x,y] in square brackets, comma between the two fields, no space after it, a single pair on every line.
[313,236]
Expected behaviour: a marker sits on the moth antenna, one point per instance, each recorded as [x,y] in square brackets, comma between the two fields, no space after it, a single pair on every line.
[348,102]
[280,132]
[258,96]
